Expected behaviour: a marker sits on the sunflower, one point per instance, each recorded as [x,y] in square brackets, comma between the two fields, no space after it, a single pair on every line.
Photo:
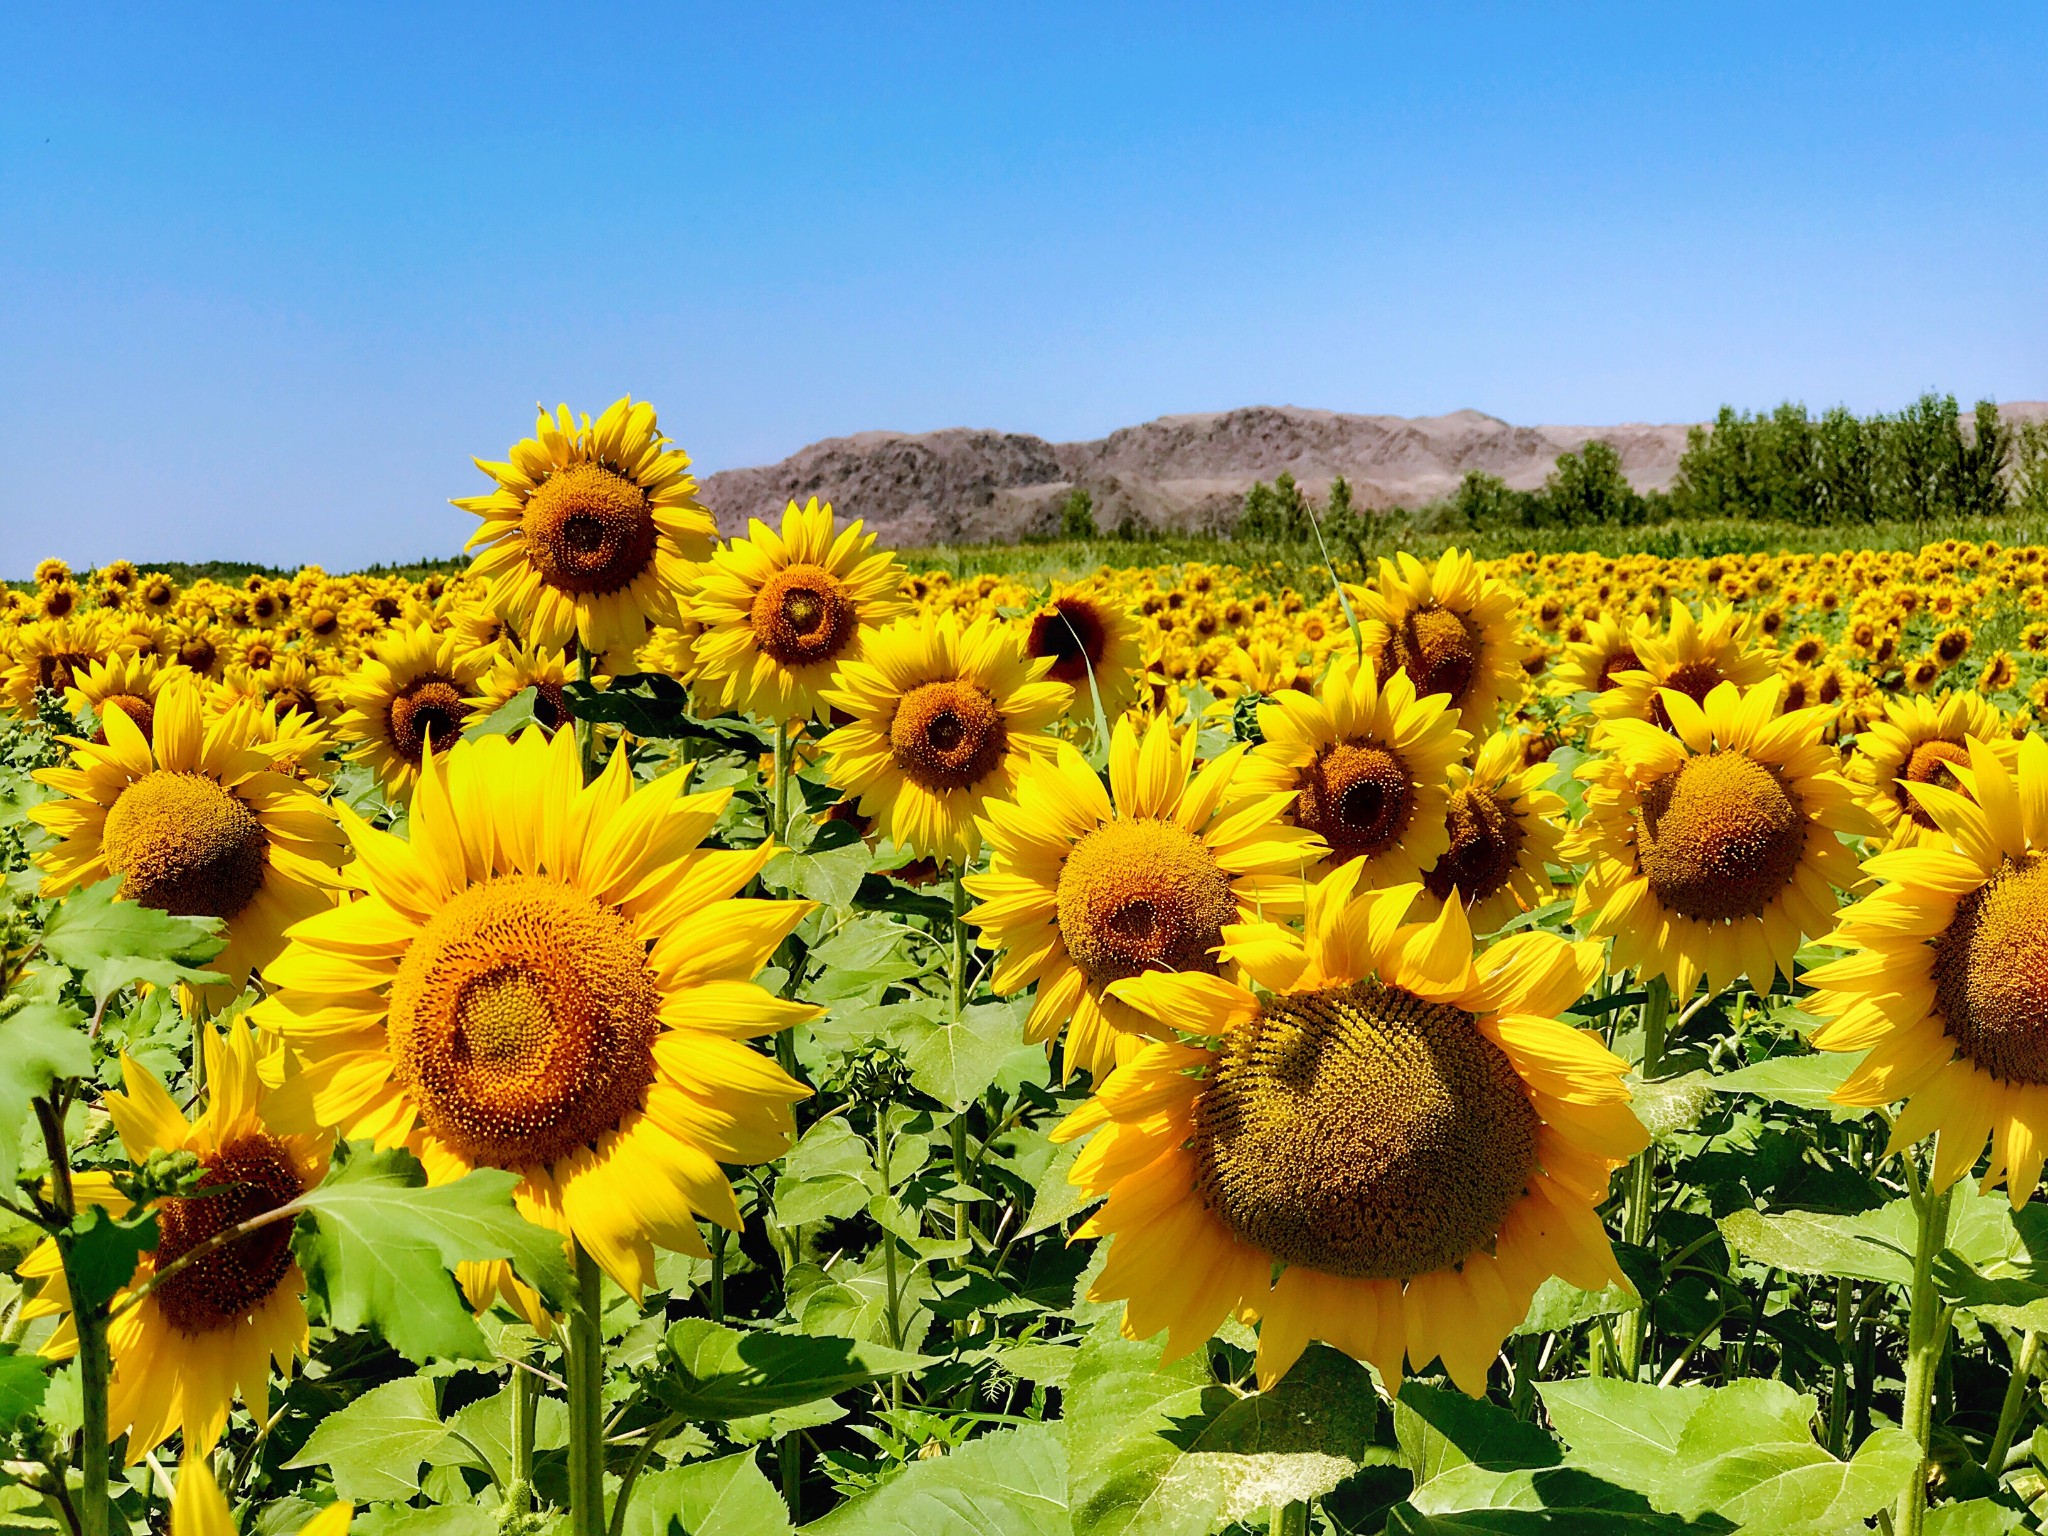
[943,719]
[1919,741]
[197,822]
[550,978]
[49,654]
[1692,657]
[1946,979]
[515,669]
[1366,764]
[124,681]
[593,530]
[1591,664]
[198,1508]
[208,1334]
[1453,629]
[414,687]
[1409,1135]
[1089,639]
[1086,887]
[1714,846]
[1506,829]
[780,611]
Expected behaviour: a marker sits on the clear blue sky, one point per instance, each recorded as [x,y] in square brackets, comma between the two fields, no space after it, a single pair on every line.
[269,275]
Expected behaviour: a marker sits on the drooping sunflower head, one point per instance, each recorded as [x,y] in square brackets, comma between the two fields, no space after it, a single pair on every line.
[1505,828]
[781,610]
[195,820]
[1088,887]
[1409,1136]
[943,719]
[1692,657]
[1608,649]
[1451,628]
[1920,740]
[1090,640]
[1946,980]
[592,531]
[414,688]
[127,681]
[195,1340]
[1716,847]
[554,979]
[1368,765]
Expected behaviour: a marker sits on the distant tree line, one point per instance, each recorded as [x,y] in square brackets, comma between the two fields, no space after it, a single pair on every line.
[1924,464]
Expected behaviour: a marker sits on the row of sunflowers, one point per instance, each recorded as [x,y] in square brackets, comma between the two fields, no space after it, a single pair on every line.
[1358,928]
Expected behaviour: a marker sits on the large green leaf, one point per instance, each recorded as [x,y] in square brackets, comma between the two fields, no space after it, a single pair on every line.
[726,1497]
[956,1062]
[1876,1245]
[1561,1518]
[1974,1517]
[39,1044]
[1440,1430]
[480,1435]
[1804,1082]
[1012,1483]
[380,1246]
[115,944]
[375,1445]
[828,1175]
[1165,1450]
[1744,1452]
[23,1381]
[722,1373]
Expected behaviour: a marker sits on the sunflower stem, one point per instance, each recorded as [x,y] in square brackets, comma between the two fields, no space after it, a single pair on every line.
[585,1350]
[716,1297]
[2013,1410]
[889,1247]
[963,1216]
[780,829]
[1926,1333]
[789,1458]
[525,1410]
[89,1319]
[1641,1198]
[1290,1519]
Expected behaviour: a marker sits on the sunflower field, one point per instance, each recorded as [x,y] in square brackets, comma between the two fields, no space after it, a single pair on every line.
[655,1033]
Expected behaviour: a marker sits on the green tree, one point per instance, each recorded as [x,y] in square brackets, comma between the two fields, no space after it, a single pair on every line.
[1077,515]
[1485,501]
[1588,488]
[2030,469]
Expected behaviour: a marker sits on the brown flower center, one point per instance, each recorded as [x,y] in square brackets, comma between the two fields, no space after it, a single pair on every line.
[1991,974]
[1357,796]
[1720,837]
[1142,895]
[1931,762]
[247,1178]
[428,707]
[948,735]
[1362,1131]
[588,529]
[1438,648]
[1071,630]
[803,614]
[1486,840]
[523,1021]
[136,707]
[183,844]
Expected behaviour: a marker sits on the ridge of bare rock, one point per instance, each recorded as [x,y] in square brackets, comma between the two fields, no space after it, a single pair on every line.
[1182,473]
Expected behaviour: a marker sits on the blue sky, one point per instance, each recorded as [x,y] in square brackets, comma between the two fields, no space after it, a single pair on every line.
[269,275]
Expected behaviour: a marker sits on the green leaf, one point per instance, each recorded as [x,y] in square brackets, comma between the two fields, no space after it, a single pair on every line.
[1877,1245]
[1165,1450]
[1559,1304]
[721,1373]
[433,1520]
[1804,1082]
[1056,1198]
[23,1381]
[104,1252]
[481,1434]
[118,943]
[1974,1517]
[726,1497]
[509,718]
[380,1246]
[1559,1517]
[375,1445]
[956,1062]
[829,876]
[38,1045]
[1439,1430]
[827,1176]
[1011,1483]
[1744,1452]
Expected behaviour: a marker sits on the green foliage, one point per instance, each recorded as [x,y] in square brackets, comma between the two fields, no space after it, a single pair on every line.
[115,944]
[375,1446]
[40,1044]
[379,1245]
[1077,515]
[723,1373]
